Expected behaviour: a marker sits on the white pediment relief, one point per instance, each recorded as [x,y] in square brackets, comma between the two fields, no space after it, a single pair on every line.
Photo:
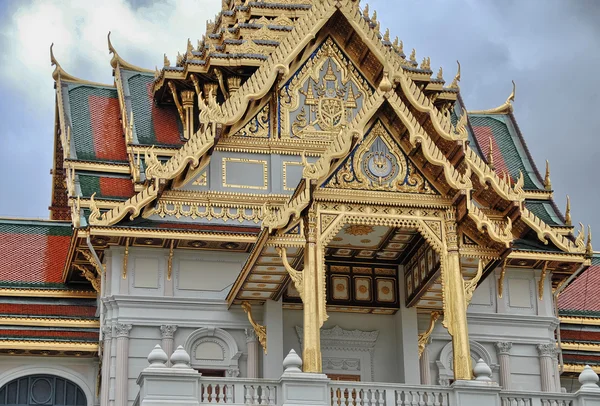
[338,337]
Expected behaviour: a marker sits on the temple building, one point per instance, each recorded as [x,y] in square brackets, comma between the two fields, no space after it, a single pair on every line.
[295,180]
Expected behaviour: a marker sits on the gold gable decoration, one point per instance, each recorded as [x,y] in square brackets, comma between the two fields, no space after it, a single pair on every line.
[379,164]
[325,94]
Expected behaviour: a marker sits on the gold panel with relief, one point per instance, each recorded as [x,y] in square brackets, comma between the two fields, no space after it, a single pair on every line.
[325,93]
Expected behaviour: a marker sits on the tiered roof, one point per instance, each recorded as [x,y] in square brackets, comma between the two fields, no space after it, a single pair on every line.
[37,309]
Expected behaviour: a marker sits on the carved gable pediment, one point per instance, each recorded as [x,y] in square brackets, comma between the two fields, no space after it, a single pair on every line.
[324,94]
[378,163]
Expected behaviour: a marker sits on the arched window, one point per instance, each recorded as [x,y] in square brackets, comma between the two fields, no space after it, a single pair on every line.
[34,390]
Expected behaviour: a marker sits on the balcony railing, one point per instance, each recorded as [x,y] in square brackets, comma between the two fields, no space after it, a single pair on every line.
[181,385]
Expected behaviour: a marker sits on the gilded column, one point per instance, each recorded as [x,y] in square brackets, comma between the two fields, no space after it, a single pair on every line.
[253,352]
[122,363]
[313,298]
[106,347]
[425,368]
[547,353]
[455,304]
[166,332]
[503,350]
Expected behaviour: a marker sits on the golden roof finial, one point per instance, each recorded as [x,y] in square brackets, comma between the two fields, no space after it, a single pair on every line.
[426,64]
[374,17]
[589,251]
[490,155]
[568,212]
[189,49]
[386,36]
[167,63]
[547,182]
[440,74]
[505,108]
[413,56]
[118,61]
[366,11]
[454,84]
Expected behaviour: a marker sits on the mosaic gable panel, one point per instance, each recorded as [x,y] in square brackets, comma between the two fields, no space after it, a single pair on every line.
[323,95]
[378,163]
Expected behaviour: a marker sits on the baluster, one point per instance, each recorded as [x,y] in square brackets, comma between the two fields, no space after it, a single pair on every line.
[398,396]
[380,397]
[247,396]
[255,398]
[368,397]
[421,396]
[229,393]
[272,397]
[335,400]
[220,395]
[414,398]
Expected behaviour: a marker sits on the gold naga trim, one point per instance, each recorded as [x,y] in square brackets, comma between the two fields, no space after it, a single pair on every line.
[132,206]
[424,337]
[503,236]
[545,233]
[261,331]
[501,278]
[47,322]
[118,61]
[504,108]
[339,148]
[274,220]
[542,280]
[296,276]
[471,284]
[125,259]
[48,345]
[90,276]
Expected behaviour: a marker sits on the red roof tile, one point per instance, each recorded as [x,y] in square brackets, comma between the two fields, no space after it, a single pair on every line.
[166,129]
[109,142]
[582,294]
[483,135]
[116,187]
[48,310]
[577,334]
[32,257]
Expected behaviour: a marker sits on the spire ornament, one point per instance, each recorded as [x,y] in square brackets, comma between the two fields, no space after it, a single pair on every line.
[504,108]
[167,63]
[440,74]
[366,12]
[413,56]
[568,212]
[547,182]
[589,251]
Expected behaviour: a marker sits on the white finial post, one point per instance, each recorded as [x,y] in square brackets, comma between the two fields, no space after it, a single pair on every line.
[157,357]
[292,362]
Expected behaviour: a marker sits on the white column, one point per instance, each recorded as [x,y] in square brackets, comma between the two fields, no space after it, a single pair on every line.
[273,320]
[557,384]
[407,338]
[107,343]
[546,352]
[503,350]
[166,332]
[253,351]
[425,368]
[122,363]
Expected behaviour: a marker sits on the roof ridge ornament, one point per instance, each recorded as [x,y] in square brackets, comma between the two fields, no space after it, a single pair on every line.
[118,61]
[589,251]
[454,84]
[547,182]
[568,220]
[504,108]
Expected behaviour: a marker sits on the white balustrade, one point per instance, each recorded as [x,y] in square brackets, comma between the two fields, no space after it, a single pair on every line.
[528,399]
[370,394]
[238,391]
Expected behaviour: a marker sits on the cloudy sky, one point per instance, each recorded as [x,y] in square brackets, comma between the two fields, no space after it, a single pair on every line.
[550,48]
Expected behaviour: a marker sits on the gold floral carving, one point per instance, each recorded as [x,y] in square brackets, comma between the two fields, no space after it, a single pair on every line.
[358,229]
[296,276]
[542,281]
[94,279]
[424,337]
[261,331]
[208,211]
[274,220]
[258,126]
[471,284]
[501,279]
